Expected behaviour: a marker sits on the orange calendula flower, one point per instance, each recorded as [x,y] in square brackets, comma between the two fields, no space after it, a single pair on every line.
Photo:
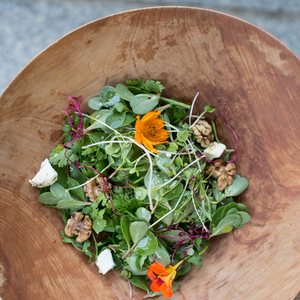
[149,130]
[162,278]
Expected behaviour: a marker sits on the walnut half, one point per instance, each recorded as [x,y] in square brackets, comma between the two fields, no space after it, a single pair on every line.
[224,174]
[79,227]
[203,133]
[95,187]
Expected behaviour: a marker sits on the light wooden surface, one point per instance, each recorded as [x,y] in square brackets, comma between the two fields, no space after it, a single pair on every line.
[236,67]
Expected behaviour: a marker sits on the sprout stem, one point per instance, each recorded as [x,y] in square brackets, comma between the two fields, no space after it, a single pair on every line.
[174,102]
[191,110]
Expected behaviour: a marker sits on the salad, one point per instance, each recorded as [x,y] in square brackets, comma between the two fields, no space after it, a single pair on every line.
[142,183]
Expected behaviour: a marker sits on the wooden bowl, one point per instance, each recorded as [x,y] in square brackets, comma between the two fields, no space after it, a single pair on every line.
[244,72]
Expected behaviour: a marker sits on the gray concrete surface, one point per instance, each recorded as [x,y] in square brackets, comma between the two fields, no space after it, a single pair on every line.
[28,27]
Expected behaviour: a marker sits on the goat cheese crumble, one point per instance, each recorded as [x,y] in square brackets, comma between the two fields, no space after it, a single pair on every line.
[215,150]
[105,261]
[45,176]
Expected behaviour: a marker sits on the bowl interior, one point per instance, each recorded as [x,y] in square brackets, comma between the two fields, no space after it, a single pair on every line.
[249,76]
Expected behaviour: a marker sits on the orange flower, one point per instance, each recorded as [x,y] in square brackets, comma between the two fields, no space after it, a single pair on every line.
[162,281]
[149,131]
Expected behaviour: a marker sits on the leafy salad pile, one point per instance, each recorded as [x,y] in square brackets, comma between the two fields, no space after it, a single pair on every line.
[135,171]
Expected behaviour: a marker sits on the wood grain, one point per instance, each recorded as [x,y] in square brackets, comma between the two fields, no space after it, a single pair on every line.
[252,78]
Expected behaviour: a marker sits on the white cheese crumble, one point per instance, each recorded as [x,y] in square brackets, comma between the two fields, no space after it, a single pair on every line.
[215,150]
[45,176]
[105,261]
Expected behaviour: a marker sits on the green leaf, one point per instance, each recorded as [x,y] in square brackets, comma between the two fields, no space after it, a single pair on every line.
[182,135]
[147,245]
[108,96]
[138,230]
[48,199]
[245,218]
[77,175]
[161,211]
[70,204]
[58,156]
[120,107]
[139,282]
[217,194]
[123,92]
[97,136]
[125,230]
[174,192]
[116,119]
[162,255]
[242,207]
[132,267]
[143,103]
[62,175]
[64,215]
[178,161]
[58,191]
[138,83]
[164,164]
[227,208]
[95,103]
[78,193]
[101,116]
[196,259]
[227,224]
[209,109]
[129,119]
[157,179]
[186,267]
[172,147]
[238,185]
[86,210]
[112,148]
[140,193]
[153,86]
[140,261]
[99,224]
[231,211]
[173,236]
[65,238]
[143,214]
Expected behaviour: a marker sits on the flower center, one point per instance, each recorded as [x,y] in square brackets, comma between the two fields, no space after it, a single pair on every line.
[152,130]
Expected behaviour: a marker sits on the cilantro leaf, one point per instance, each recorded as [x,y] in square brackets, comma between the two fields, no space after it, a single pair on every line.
[86,210]
[79,246]
[99,224]
[153,86]
[58,156]
[137,83]
[149,86]
[65,238]
[196,259]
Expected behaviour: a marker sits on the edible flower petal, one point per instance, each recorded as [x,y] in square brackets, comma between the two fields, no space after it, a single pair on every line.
[149,131]
[162,278]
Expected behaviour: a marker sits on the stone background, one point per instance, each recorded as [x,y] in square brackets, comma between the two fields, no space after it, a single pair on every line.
[28,27]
